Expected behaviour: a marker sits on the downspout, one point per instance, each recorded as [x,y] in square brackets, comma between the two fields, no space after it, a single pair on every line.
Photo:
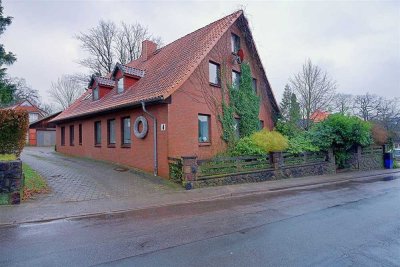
[154,138]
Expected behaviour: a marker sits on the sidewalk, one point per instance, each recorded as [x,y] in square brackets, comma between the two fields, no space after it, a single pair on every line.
[39,212]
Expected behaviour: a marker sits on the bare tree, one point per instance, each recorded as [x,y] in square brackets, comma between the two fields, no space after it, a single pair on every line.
[388,112]
[342,103]
[108,43]
[366,106]
[314,88]
[23,91]
[65,91]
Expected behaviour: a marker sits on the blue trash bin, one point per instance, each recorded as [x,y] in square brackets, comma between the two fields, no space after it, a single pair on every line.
[388,160]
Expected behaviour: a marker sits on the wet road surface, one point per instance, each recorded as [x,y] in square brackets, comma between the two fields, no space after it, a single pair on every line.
[351,224]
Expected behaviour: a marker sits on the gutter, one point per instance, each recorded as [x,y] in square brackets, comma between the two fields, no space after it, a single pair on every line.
[155,160]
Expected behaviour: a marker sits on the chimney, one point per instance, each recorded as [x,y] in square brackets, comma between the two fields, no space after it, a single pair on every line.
[148,49]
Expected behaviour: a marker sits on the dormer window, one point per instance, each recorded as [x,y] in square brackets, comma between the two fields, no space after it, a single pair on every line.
[96,93]
[235,42]
[120,85]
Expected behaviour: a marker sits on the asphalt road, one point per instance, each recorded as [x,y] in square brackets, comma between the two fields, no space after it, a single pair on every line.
[352,224]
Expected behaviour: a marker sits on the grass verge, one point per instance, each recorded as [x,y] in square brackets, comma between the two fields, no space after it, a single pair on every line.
[34,183]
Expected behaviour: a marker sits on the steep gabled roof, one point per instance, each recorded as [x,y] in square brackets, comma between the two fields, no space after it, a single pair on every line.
[164,72]
[31,108]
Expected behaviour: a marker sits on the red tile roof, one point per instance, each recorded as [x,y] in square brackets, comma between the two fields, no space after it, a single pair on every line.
[319,115]
[165,71]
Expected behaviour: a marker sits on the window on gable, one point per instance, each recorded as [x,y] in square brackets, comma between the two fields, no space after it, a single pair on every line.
[96,93]
[33,117]
[214,73]
[71,135]
[97,133]
[254,85]
[111,131]
[120,85]
[235,79]
[126,131]
[235,42]
[204,128]
[63,136]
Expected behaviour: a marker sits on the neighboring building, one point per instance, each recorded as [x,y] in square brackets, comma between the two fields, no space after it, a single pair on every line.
[319,115]
[43,132]
[35,113]
[180,85]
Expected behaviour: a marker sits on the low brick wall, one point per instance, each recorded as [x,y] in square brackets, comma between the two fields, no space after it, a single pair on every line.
[11,182]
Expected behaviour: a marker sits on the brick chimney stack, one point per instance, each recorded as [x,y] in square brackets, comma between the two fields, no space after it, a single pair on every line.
[148,49]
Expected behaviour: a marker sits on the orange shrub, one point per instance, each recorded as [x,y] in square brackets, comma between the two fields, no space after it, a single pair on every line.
[379,134]
[14,125]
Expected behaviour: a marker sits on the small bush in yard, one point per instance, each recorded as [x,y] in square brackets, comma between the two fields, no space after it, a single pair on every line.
[246,147]
[302,143]
[13,129]
[379,134]
[270,141]
[260,143]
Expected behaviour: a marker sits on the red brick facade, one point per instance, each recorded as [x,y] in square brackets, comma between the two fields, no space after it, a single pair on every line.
[179,113]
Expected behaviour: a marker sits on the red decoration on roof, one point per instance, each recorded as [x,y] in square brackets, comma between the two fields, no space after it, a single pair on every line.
[240,53]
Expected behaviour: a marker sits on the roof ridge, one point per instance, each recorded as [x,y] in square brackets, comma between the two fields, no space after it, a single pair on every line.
[214,22]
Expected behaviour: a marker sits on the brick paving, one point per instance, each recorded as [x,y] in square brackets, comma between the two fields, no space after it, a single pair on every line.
[79,179]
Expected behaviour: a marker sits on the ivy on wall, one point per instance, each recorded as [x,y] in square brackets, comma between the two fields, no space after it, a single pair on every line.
[244,102]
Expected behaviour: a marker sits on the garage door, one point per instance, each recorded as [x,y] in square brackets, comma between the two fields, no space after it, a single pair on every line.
[45,138]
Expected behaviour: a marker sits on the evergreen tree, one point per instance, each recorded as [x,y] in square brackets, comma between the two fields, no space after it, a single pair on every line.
[6,58]
[294,110]
[285,103]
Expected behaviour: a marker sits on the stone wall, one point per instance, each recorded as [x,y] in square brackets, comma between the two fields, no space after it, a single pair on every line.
[11,182]
[363,161]
[266,175]
[277,171]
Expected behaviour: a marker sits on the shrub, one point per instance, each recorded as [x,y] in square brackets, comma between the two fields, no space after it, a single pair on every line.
[341,132]
[13,128]
[379,134]
[270,141]
[302,143]
[246,146]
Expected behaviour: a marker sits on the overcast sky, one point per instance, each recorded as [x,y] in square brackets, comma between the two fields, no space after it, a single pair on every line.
[357,43]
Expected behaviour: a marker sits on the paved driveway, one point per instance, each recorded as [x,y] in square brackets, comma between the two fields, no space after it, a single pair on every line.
[79,179]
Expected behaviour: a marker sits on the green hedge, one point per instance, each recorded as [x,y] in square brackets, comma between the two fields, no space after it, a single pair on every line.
[14,125]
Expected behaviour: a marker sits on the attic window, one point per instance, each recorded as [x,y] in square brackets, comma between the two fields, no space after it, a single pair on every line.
[96,93]
[120,86]
[235,42]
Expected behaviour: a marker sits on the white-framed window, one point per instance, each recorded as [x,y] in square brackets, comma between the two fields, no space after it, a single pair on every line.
[235,79]
[204,128]
[120,85]
[111,131]
[235,43]
[214,73]
[96,93]
[33,117]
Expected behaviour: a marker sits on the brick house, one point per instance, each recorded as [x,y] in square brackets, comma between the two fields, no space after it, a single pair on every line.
[165,103]
[34,112]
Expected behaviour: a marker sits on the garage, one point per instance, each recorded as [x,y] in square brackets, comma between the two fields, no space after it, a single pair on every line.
[42,132]
[45,137]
